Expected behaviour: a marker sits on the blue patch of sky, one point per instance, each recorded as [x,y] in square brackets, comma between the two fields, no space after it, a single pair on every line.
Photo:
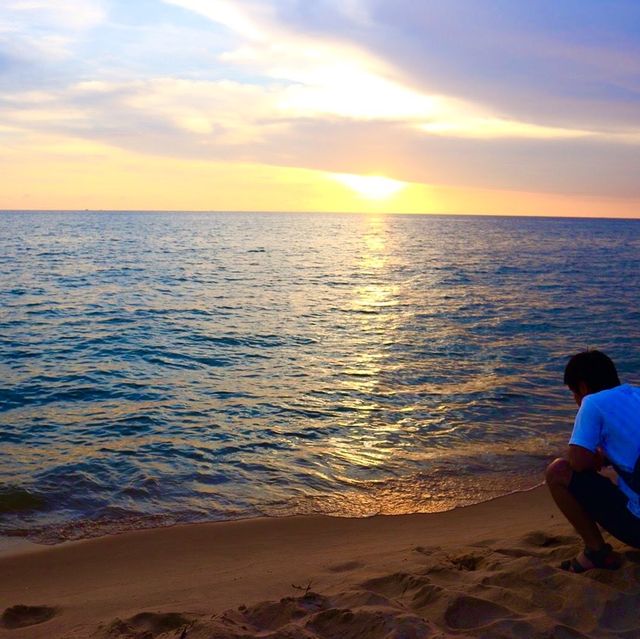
[579,21]
[6,63]
[575,20]
[153,12]
[150,39]
[612,91]
[21,73]
[319,17]
[499,24]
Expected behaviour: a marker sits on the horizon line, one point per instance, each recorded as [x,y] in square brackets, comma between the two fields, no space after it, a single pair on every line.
[317,212]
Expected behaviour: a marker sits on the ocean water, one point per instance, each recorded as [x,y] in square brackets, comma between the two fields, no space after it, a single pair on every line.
[168,367]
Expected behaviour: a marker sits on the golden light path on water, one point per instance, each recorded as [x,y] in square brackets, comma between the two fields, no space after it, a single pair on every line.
[196,367]
[368,372]
[364,372]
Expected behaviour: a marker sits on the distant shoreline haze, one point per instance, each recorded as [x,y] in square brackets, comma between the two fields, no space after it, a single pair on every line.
[434,214]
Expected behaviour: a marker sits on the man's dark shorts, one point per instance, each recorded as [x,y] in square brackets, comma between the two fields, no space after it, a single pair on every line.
[607,504]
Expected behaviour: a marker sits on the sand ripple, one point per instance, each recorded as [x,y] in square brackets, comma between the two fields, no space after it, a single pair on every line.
[490,590]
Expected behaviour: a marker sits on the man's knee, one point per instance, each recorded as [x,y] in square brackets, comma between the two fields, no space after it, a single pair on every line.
[559,473]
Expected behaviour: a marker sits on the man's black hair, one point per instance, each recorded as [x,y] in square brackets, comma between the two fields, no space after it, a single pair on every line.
[592,367]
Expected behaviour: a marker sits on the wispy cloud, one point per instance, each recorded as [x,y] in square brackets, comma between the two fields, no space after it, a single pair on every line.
[36,29]
[483,94]
[67,15]
[350,71]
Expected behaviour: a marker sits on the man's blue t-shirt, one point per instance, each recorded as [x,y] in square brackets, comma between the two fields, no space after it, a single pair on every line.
[610,420]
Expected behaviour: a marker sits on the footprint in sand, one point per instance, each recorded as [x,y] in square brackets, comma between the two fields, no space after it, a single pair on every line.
[372,623]
[145,624]
[620,614]
[346,567]
[396,584]
[466,613]
[468,562]
[541,539]
[22,616]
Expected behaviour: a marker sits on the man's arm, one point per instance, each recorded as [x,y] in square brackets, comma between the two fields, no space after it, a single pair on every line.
[582,459]
[586,438]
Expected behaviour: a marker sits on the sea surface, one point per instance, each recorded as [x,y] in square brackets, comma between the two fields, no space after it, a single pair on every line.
[171,367]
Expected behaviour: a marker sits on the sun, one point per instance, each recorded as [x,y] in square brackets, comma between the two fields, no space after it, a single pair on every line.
[373,187]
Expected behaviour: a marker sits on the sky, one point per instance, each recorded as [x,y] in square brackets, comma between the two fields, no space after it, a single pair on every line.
[506,107]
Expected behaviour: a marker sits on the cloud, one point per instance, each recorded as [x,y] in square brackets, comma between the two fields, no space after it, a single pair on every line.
[229,121]
[453,65]
[241,17]
[560,64]
[586,165]
[38,37]
[66,15]
[485,94]
[164,115]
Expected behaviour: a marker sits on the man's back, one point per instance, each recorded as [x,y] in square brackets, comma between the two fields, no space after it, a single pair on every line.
[610,420]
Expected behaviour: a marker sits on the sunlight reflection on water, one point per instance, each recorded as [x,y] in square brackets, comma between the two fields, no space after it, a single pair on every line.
[180,367]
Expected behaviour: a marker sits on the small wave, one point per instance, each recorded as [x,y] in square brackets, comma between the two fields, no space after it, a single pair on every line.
[88,528]
[176,360]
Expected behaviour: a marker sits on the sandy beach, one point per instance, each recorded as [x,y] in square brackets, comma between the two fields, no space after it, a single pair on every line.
[488,570]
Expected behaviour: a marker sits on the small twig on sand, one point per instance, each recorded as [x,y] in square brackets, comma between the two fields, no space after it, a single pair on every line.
[306,590]
[185,630]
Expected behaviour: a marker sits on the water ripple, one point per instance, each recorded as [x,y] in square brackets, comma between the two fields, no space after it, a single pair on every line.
[159,368]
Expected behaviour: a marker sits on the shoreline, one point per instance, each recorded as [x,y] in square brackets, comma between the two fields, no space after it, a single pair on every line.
[199,571]
[10,542]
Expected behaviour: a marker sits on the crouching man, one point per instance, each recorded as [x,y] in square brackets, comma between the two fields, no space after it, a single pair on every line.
[606,432]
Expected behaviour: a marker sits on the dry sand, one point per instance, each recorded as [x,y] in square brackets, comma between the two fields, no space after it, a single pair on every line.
[484,571]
